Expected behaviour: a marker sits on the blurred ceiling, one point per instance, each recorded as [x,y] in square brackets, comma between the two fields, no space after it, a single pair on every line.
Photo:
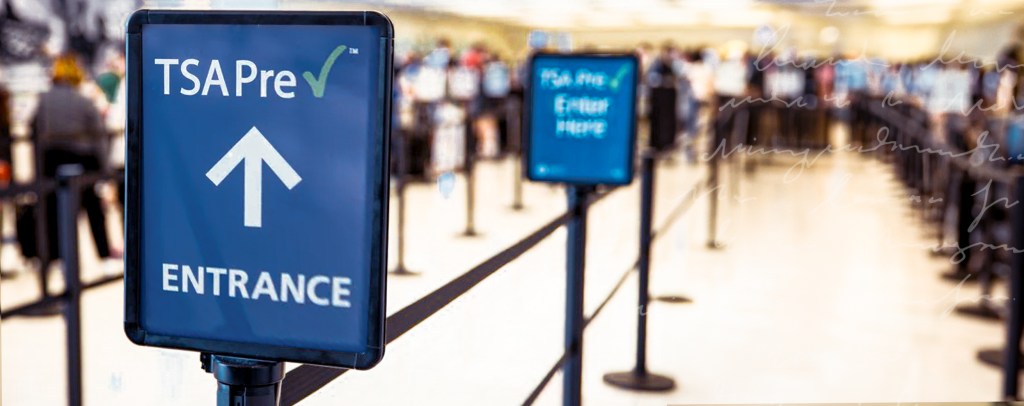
[629,14]
[582,14]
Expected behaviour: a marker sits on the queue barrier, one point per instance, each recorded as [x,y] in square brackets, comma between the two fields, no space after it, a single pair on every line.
[70,182]
[511,110]
[38,189]
[915,152]
[304,380]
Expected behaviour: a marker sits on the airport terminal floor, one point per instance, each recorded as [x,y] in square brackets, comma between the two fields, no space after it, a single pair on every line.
[789,310]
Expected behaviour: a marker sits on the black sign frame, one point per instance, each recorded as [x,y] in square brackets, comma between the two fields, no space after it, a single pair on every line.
[379,182]
[527,128]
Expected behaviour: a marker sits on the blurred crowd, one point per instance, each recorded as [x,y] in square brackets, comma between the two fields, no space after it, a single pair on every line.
[440,96]
[78,120]
[453,106]
[791,98]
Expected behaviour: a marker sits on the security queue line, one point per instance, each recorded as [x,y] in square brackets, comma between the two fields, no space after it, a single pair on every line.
[757,124]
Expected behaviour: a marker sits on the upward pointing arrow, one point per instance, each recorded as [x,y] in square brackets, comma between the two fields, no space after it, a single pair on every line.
[254,149]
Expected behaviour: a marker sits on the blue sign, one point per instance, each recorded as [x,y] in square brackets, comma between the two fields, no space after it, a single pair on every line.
[581,118]
[257,184]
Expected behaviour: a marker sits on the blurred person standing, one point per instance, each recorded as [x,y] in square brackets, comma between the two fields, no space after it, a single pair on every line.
[5,142]
[115,119]
[784,89]
[495,90]
[111,83]
[730,86]
[68,129]
[5,154]
[110,80]
[702,79]
[691,77]
[949,100]
[414,116]
[662,115]
[645,53]
[851,82]
[440,56]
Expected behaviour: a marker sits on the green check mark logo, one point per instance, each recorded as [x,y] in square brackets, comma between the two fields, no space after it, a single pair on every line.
[317,84]
[621,74]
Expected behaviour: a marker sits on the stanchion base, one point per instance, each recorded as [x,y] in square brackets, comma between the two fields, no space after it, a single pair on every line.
[979,310]
[994,357]
[518,207]
[674,299]
[402,271]
[714,245]
[646,382]
[470,234]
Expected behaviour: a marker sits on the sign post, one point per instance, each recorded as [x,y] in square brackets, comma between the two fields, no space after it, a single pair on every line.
[242,381]
[257,189]
[580,115]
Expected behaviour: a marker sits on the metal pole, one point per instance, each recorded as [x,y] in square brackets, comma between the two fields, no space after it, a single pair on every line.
[401,181]
[244,381]
[575,260]
[713,182]
[470,178]
[639,378]
[1015,318]
[68,194]
[644,266]
[42,225]
[965,214]
[512,123]
[517,188]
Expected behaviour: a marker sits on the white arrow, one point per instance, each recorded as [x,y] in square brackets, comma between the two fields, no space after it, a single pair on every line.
[254,149]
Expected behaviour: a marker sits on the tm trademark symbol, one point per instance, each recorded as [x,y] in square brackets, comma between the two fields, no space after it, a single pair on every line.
[354,51]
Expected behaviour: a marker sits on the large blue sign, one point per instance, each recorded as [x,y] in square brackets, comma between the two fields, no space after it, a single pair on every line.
[257,179]
[581,118]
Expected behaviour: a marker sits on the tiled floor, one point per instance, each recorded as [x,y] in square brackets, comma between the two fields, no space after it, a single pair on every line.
[824,292]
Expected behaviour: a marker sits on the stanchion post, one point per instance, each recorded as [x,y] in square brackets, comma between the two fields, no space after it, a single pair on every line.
[575,261]
[713,181]
[42,213]
[517,188]
[244,381]
[965,215]
[512,123]
[1015,318]
[470,178]
[639,378]
[68,191]
[400,184]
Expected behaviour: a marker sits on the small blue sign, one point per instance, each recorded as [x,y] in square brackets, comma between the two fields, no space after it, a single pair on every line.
[581,118]
[257,184]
